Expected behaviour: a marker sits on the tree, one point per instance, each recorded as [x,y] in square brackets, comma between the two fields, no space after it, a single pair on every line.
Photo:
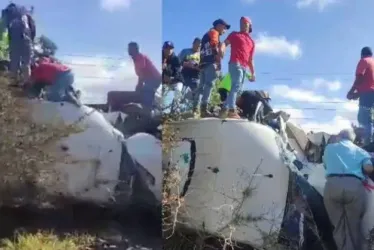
[46,46]
[4,53]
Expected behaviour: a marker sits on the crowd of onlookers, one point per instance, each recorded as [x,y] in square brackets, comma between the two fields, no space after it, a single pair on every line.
[199,67]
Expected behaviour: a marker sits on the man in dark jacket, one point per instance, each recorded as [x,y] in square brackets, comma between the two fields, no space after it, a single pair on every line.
[21,30]
[171,65]
[171,72]
[210,62]
[190,59]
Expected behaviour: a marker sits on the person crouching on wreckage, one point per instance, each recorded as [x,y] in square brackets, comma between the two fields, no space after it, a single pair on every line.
[55,78]
[347,166]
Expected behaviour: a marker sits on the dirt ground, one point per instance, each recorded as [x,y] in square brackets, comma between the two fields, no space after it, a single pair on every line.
[131,230]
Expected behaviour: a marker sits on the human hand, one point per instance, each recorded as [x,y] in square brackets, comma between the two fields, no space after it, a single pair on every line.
[351,95]
[252,78]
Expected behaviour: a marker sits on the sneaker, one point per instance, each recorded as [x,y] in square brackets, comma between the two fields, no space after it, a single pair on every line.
[233,114]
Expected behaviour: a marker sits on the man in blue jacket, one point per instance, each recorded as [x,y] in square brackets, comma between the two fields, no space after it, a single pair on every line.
[21,31]
[171,73]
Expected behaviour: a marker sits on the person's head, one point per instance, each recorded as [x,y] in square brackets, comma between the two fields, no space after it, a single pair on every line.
[168,48]
[221,26]
[347,134]
[245,24]
[133,48]
[333,139]
[366,52]
[196,45]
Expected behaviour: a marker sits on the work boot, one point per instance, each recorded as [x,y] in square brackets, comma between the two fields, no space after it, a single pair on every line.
[233,114]
[204,112]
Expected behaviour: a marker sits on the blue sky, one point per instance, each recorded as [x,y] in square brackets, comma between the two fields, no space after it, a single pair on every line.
[306,54]
[92,36]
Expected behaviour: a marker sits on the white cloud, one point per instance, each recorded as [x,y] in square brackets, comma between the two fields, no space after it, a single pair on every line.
[278,46]
[95,76]
[112,5]
[296,94]
[321,4]
[295,114]
[332,127]
[298,117]
[322,113]
[322,83]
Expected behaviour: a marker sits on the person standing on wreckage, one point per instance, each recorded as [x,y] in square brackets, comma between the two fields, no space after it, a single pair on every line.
[210,64]
[149,78]
[21,32]
[363,90]
[241,58]
[347,166]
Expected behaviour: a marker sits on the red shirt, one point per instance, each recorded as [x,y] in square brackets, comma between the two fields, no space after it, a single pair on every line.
[242,48]
[145,69]
[46,71]
[365,67]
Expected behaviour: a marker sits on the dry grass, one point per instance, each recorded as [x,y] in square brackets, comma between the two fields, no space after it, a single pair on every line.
[25,169]
[25,162]
[48,241]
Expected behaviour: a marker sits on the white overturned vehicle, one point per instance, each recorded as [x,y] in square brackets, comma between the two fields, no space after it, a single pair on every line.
[105,168]
[244,181]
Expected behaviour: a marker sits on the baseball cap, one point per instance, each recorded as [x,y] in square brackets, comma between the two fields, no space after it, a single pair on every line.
[366,51]
[246,19]
[168,44]
[221,21]
[197,39]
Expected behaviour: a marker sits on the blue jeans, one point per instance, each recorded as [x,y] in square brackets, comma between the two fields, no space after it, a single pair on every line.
[365,115]
[208,77]
[237,73]
[59,88]
[193,84]
[148,92]
[20,54]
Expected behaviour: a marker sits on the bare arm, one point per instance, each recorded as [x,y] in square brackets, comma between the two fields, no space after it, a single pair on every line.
[223,47]
[251,65]
[368,168]
[367,165]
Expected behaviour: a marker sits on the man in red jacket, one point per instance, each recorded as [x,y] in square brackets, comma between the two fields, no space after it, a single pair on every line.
[56,78]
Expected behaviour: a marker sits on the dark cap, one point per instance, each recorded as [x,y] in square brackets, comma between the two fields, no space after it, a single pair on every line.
[196,40]
[168,45]
[221,21]
[133,44]
[366,51]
